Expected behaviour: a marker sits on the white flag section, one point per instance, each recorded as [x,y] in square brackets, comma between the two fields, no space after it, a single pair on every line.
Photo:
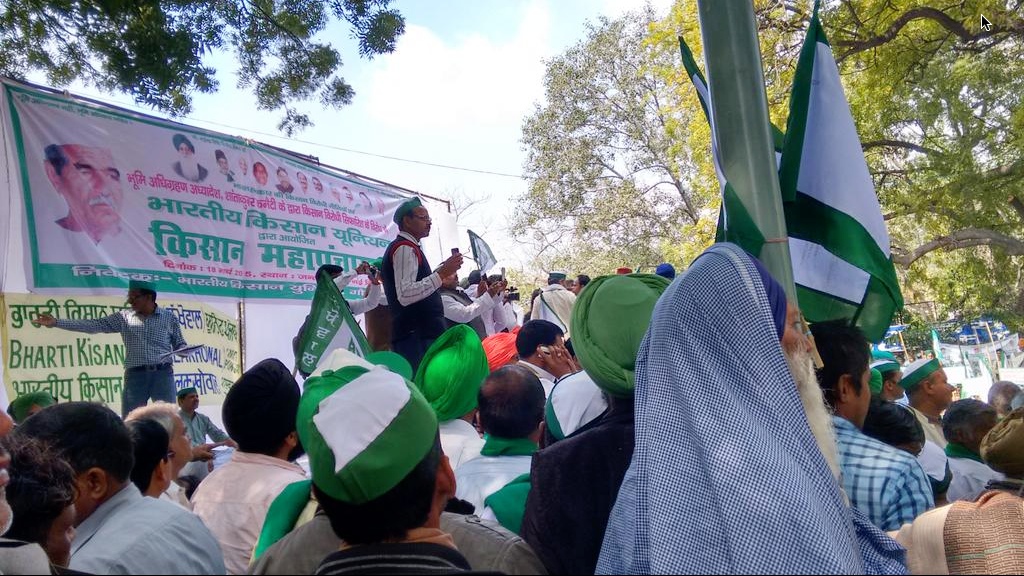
[328,327]
[482,253]
[837,236]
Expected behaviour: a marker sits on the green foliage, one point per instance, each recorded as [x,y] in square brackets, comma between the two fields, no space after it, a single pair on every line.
[937,103]
[612,175]
[156,50]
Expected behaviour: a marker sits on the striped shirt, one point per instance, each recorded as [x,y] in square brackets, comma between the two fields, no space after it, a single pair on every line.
[885,483]
[147,339]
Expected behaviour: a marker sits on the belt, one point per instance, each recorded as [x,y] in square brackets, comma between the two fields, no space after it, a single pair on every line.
[150,367]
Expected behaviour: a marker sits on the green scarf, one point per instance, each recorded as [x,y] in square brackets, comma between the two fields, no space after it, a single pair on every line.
[954,450]
[282,515]
[509,503]
[494,446]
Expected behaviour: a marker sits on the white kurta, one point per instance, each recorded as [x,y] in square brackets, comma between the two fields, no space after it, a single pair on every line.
[460,442]
[547,379]
[477,480]
[969,479]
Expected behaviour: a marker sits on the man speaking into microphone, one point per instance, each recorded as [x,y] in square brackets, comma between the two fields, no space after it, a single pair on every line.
[411,287]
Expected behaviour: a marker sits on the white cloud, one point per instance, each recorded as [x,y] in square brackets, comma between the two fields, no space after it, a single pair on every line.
[471,82]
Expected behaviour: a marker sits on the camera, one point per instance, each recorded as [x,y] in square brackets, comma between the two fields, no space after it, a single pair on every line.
[374,271]
[513,294]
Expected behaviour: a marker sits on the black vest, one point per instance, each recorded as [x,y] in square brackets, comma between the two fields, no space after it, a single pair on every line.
[424,318]
[477,323]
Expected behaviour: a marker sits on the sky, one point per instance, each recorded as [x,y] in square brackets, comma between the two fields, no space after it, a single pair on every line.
[455,91]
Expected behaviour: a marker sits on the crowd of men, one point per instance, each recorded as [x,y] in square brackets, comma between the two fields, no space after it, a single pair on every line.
[634,423]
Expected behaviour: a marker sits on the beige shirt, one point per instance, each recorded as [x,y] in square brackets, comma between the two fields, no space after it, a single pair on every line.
[932,430]
[233,502]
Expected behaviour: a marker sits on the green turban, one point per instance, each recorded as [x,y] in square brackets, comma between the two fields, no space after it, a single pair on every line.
[918,371]
[22,404]
[876,382]
[451,372]
[405,208]
[186,391]
[609,321]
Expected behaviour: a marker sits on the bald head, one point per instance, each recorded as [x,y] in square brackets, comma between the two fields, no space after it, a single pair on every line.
[511,403]
[1001,394]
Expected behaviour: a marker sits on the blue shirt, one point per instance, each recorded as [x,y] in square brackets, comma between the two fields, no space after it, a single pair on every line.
[147,339]
[885,483]
[135,534]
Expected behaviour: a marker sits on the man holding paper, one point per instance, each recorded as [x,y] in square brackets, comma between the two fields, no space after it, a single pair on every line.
[151,335]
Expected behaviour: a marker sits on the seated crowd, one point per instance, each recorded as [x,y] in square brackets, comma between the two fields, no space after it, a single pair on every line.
[638,423]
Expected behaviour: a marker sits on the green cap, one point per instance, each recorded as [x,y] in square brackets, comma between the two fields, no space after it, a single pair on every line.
[451,372]
[556,276]
[405,208]
[918,371]
[141,285]
[364,429]
[876,382]
[22,404]
[186,391]
[609,320]
[884,361]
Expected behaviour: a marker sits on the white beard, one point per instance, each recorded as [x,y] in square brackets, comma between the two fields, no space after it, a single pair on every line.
[190,168]
[818,417]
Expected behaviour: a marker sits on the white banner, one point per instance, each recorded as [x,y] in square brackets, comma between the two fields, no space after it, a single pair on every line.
[112,196]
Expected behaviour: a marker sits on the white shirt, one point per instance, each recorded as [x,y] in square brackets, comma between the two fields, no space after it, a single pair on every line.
[969,479]
[547,379]
[502,317]
[483,476]
[458,312]
[460,442]
[362,305]
[408,289]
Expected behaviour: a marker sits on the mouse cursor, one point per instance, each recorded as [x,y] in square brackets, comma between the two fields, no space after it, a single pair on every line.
[985,24]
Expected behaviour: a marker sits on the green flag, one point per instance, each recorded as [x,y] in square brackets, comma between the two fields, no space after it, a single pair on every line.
[330,325]
[481,253]
[837,236]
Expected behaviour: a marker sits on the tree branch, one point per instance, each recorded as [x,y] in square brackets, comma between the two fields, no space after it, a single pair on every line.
[898,144]
[921,13]
[966,238]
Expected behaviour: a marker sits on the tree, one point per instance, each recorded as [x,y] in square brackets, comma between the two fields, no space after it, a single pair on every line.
[157,50]
[611,175]
[937,101]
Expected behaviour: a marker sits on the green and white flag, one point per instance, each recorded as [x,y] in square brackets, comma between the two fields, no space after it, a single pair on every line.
[329,326]
[481,253]
[837,236]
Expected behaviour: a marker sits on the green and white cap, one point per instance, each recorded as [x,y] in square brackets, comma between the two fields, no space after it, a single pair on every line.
[917,371]
[364,427]
[574,402]
[884,361]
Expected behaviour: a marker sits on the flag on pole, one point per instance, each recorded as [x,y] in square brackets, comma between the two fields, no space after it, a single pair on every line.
[837,236]
[329,326]
[734,222]
[481,253]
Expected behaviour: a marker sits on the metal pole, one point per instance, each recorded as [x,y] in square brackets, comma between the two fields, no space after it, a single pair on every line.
[740,108]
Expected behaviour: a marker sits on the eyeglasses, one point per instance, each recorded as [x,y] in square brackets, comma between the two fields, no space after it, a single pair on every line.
[424,218]
[170,455]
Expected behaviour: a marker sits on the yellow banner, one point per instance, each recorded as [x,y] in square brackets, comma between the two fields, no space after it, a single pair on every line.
[75,366]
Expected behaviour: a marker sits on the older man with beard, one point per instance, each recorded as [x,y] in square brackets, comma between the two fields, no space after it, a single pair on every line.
[735,467]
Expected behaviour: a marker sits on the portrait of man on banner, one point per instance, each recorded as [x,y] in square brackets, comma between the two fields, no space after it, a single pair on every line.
[90,183]
[187,166]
